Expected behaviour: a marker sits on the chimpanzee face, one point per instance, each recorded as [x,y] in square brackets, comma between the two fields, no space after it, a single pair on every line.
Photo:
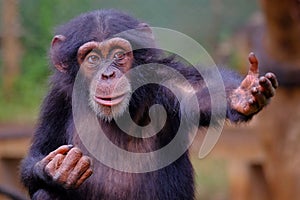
[104,64]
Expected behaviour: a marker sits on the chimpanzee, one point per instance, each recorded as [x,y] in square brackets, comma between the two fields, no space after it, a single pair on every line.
[60,166]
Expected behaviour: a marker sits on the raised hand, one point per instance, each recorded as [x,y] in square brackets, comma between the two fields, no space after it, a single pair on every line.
[254,92]
[66,166]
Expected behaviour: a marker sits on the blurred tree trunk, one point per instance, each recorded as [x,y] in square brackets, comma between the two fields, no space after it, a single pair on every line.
[11,48]
[283,29]
[274,36]
[280,127]
[276,40]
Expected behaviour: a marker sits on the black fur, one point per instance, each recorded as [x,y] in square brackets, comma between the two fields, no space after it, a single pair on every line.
[56,127]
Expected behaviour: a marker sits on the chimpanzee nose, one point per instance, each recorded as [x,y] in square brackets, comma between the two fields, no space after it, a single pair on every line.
[108,74]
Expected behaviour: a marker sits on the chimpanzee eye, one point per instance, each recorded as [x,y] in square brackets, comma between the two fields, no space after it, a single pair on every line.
[120,55]
[93,59]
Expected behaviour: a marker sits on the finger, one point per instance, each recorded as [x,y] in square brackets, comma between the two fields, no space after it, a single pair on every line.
[273,79]
[86,175]
[68,164]
[260,100]
[54,164]
[83,164]
[265,87]
[60,150]
[253,64]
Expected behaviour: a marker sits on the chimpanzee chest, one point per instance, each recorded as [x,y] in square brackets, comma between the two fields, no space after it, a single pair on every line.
[174,181]
[110,184]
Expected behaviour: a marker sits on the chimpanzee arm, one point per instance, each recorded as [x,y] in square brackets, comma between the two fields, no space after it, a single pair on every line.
[54,166]
[244,97]
[49,135]
[231,81]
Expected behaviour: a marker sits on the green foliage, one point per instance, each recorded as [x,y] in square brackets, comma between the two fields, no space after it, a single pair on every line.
[210,178]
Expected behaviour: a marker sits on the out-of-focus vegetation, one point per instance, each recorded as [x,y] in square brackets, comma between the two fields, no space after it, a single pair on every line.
[211,178]
[209,22]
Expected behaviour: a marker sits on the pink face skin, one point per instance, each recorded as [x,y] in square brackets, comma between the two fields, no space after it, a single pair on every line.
[104,64]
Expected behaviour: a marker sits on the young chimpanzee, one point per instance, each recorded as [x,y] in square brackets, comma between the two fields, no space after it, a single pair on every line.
[92,82]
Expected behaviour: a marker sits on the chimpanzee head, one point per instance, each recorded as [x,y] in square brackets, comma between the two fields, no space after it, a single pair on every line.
[104,45]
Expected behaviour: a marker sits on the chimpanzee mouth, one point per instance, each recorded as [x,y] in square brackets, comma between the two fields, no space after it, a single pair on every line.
[108,100]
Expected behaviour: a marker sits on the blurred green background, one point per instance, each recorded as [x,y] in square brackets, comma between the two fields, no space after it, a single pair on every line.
[207,21]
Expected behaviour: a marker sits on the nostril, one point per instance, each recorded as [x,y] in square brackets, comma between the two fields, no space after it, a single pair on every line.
[107,75]
[112,75]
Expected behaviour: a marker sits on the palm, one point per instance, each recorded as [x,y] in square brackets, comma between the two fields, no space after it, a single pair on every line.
[254,92]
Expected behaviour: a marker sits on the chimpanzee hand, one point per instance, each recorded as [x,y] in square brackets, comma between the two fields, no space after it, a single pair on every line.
[66,166]
[254,92]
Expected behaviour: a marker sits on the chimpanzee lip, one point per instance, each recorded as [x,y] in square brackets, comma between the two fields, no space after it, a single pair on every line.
[109,100]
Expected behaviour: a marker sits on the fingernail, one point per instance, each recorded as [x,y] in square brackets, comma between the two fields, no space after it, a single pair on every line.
[254,90]
[262,79]
[70,146]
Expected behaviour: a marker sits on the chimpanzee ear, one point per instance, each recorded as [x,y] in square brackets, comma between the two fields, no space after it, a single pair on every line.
[54,53]
[146,29]
[145,26]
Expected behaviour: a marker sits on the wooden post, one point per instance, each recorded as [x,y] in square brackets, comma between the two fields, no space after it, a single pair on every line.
[281,132]
[238,173]
[282,29]
[11,48]
[275,39]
